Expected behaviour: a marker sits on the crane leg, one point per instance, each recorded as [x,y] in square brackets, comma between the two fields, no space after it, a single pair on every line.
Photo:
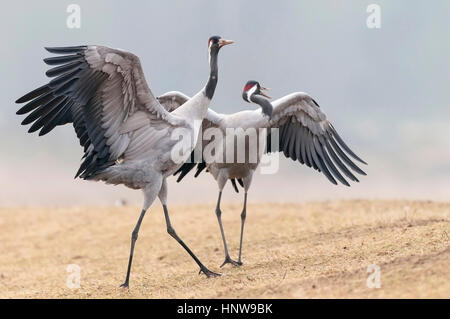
[134,237]
[243,216]
[247,180]
[171,231]
[228,259]
[149,196]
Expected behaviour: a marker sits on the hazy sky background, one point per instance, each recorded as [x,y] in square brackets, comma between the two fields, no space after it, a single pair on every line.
[385,90]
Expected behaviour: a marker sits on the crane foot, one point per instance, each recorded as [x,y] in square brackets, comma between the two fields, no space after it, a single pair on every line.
[228,260]
[208,272]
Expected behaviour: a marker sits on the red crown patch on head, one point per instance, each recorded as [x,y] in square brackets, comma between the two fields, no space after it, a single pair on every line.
[249,86]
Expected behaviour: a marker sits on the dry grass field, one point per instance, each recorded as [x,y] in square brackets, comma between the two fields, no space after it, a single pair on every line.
[309,250]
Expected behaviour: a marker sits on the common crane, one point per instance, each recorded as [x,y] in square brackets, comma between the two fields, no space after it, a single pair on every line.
[124,130]
[305,135]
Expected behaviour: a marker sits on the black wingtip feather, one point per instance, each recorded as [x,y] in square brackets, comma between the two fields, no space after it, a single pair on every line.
[182,175]
[233,182]
[336,159]
[200,167]
[346,148]
[323,156]
[31,95]
[320,164]
[43,132]
[343,156]
[58,70]
[184,170]
[63,50]
[63,59]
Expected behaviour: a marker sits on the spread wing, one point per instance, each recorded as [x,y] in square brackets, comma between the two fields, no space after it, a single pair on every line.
[97,89]
[172,100]
[306,135]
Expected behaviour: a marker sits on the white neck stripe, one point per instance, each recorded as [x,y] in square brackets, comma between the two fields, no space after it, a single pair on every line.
[251,92]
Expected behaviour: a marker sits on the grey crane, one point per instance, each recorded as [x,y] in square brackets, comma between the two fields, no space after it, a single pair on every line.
[304,135]
[124,130]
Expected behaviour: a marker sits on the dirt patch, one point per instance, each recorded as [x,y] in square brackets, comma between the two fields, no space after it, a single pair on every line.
[306,250]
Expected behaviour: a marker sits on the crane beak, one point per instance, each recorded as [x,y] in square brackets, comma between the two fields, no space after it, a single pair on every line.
[223,42]
[261,88]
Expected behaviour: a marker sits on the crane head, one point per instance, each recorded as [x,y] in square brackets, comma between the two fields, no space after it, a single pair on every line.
[253,88]
[216,42]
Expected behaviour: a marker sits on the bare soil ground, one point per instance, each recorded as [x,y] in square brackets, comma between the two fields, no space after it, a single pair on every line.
[306,250]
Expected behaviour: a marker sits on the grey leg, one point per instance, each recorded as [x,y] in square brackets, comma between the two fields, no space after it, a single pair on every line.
[172,233]
[227,260]
[163,197]
[150,193]
[134,237]
[243,215]
[247,182]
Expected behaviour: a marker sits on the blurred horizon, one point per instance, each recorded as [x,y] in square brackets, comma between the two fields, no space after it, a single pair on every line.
[385,90]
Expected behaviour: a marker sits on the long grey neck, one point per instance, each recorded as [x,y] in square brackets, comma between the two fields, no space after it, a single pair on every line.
[212,81]
[264,103]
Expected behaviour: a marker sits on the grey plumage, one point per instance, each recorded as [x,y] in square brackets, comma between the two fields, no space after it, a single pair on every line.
[123,129]
[305,135]
[97,89]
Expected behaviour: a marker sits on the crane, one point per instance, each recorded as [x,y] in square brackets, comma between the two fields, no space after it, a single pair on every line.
[124,131]
[304,135]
